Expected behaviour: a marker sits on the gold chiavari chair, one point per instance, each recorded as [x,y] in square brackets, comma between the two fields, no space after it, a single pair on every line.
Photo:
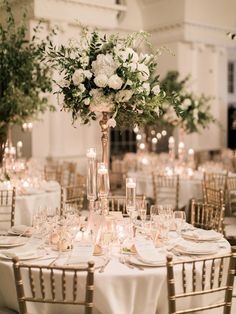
[53,173]
[74,196]
[166,189]
[7,208]
[199,279]
[41,284]
[214,196]
[118,202]
[206,216]
[231,193]
[217,181]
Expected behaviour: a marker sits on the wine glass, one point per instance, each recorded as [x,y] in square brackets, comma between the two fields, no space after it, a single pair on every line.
[179,218]
[153,212]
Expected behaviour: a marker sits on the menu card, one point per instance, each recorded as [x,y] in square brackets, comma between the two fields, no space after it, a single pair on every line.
[81,253]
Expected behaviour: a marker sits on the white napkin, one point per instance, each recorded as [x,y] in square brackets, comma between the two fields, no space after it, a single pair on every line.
[28,250]
[147,251]
[197,248]
[20,255]
[21,229]
[200,234]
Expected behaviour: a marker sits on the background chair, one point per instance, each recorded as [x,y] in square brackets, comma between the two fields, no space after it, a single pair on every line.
[118,203]
[213,196]
[73,196]
[207,216]
[166,189]
[7,208]
[196,281]
[33,287]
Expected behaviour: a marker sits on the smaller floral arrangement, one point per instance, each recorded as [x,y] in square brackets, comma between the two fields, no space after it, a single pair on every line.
[195,111]
[108,74]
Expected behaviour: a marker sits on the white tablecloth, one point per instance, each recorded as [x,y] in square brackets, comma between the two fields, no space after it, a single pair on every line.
[119,290]
[26,205]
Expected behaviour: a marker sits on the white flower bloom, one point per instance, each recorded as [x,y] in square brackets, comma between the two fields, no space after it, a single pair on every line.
[123,95]
[104,64]
[84,60]
[64,83]
[129,82]
[133,66]
[128,53]
[100,102]
[82,88]
[87,101]
[171,116]
[145,57]
[186,103]
[144,72]
[157,110]
[156,89]
[111,122]
[146,87]
[88,74]
[101,80]
[115,82]
[78,77]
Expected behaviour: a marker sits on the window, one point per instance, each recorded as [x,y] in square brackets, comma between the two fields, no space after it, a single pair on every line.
[122,141]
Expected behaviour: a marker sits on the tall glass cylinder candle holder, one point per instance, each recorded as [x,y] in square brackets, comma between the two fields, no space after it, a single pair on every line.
[171,146]
[181,152]
[91,177]
[131,198]
[103,186]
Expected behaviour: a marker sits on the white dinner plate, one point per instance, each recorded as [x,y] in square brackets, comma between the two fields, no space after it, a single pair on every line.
[197,251]
[10,241]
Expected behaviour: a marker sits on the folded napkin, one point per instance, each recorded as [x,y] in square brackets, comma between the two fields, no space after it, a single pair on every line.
[202,235]
[21,229]
[196,248]
[20,255]
[147,252]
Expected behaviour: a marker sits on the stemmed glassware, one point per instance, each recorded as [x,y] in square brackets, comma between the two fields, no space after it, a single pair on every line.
[179,219]
[91,177]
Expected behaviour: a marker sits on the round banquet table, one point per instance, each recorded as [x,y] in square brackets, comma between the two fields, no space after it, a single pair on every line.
[118,290]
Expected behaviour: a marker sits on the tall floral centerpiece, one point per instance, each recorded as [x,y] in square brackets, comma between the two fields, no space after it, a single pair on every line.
[195,110]
[108,78]
[24,79]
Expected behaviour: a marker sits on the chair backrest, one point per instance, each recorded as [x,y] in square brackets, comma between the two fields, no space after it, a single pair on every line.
[207,216]
[198,278]
[118,202]
[231,183]
[53,173]
[72,195]
[166,189]
[214,196]
[7,208]
[48,284]
[216,180]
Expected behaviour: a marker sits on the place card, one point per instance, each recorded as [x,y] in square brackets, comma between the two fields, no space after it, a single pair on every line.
[81,253]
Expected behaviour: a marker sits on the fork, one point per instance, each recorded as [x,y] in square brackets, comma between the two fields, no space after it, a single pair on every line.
[107,261]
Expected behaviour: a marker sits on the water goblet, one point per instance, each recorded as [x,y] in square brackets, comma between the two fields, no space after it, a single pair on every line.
[179,219]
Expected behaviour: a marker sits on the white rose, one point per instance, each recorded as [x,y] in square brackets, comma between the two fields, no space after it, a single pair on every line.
[129,82]
[128,53]
[111,122]
[100,102]
[64,83]
[88,74]
[104,64]
[82,87]
[87,101]
[101,80]
[146,87]
[157,110]
[123,95]
[78,77]
[115,82]
[156,89]
[186,103]
[84,60]
[143,72]
[145,57]
[133,67]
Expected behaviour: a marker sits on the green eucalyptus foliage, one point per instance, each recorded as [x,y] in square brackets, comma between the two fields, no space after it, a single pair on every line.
[24,79]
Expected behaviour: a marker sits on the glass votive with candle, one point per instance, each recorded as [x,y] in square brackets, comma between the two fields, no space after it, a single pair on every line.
[19,146]
[131,198]
[103,186]
[91,176]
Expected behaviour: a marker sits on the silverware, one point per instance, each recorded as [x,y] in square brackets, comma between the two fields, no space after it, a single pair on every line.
[135,265]
[101,270]
[124,262]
